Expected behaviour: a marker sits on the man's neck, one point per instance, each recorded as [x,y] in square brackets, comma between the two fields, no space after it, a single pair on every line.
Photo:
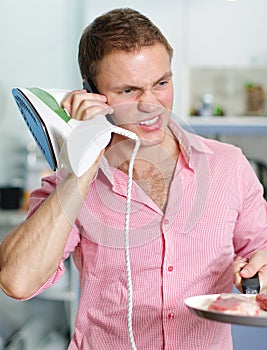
[120,150]
[154,166]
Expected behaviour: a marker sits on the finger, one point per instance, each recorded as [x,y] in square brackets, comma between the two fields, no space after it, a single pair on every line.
[86,105]
[87,111]
[72,101]
[80,103]
[67,101]
[239,263]
[92,112]
[256,263]
[263,279]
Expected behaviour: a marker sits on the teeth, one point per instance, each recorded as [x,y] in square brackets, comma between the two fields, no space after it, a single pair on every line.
[149,122]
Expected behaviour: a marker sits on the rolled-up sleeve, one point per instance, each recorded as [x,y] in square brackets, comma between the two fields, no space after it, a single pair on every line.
[251,228]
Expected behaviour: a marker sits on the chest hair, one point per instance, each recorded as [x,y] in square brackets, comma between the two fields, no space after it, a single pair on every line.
[155,181]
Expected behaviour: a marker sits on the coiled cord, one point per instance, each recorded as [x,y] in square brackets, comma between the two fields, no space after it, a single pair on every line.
[126,232]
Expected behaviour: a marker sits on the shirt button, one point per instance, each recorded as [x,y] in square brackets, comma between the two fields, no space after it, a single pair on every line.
[170,268]
[166,222]
[170,315]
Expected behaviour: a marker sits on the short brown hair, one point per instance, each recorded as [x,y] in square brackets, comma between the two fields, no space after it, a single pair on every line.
[122,29]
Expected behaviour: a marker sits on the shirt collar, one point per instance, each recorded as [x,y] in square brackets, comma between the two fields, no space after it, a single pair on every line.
[188,143]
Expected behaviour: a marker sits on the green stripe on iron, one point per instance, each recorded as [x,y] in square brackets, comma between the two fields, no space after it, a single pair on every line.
[51,102]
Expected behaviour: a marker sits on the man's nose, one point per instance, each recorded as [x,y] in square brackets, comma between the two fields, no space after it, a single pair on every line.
[147,102]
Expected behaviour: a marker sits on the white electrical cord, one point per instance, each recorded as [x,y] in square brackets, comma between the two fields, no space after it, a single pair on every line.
[126,231]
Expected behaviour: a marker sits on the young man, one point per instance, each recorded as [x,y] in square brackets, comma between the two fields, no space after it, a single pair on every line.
[196,206]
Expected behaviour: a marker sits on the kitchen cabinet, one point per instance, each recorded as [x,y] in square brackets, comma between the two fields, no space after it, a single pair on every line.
[55,309]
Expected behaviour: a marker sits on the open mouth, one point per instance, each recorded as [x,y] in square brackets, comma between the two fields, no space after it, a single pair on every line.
[150,121]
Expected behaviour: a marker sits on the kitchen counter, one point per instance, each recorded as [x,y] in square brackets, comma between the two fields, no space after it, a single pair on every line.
[227,125]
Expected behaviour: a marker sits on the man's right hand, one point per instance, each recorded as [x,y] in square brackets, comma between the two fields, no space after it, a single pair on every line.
[82,105]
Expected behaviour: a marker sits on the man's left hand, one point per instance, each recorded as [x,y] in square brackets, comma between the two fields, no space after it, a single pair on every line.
[246,268]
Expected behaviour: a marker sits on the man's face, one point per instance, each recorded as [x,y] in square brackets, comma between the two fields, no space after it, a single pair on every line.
[139,87]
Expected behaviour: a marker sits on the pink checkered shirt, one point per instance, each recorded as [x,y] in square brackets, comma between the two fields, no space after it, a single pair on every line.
[215,210]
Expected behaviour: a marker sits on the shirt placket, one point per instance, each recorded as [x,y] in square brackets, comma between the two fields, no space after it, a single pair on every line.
[170,275]
[169,312]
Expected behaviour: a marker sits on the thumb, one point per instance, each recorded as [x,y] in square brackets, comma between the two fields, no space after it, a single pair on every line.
[249,270]
[257,262]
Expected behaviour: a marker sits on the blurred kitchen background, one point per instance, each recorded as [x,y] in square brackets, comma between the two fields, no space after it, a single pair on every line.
[220,78]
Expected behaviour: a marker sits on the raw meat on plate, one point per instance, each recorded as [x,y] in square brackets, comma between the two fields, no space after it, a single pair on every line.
[262,301]
[235,304]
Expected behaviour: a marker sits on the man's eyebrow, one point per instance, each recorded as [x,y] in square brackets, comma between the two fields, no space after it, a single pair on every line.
[126,86]
[165,76]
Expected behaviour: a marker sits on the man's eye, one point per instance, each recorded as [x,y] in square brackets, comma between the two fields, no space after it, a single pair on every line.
[128,91]
[163,83]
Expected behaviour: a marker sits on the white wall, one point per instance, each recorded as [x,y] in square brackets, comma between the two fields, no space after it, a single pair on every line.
[225,33]
[38,45]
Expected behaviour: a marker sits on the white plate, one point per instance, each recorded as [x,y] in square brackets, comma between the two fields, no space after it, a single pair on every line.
[199,306]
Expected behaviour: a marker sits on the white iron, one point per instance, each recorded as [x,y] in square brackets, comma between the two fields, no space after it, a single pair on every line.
[64,142]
